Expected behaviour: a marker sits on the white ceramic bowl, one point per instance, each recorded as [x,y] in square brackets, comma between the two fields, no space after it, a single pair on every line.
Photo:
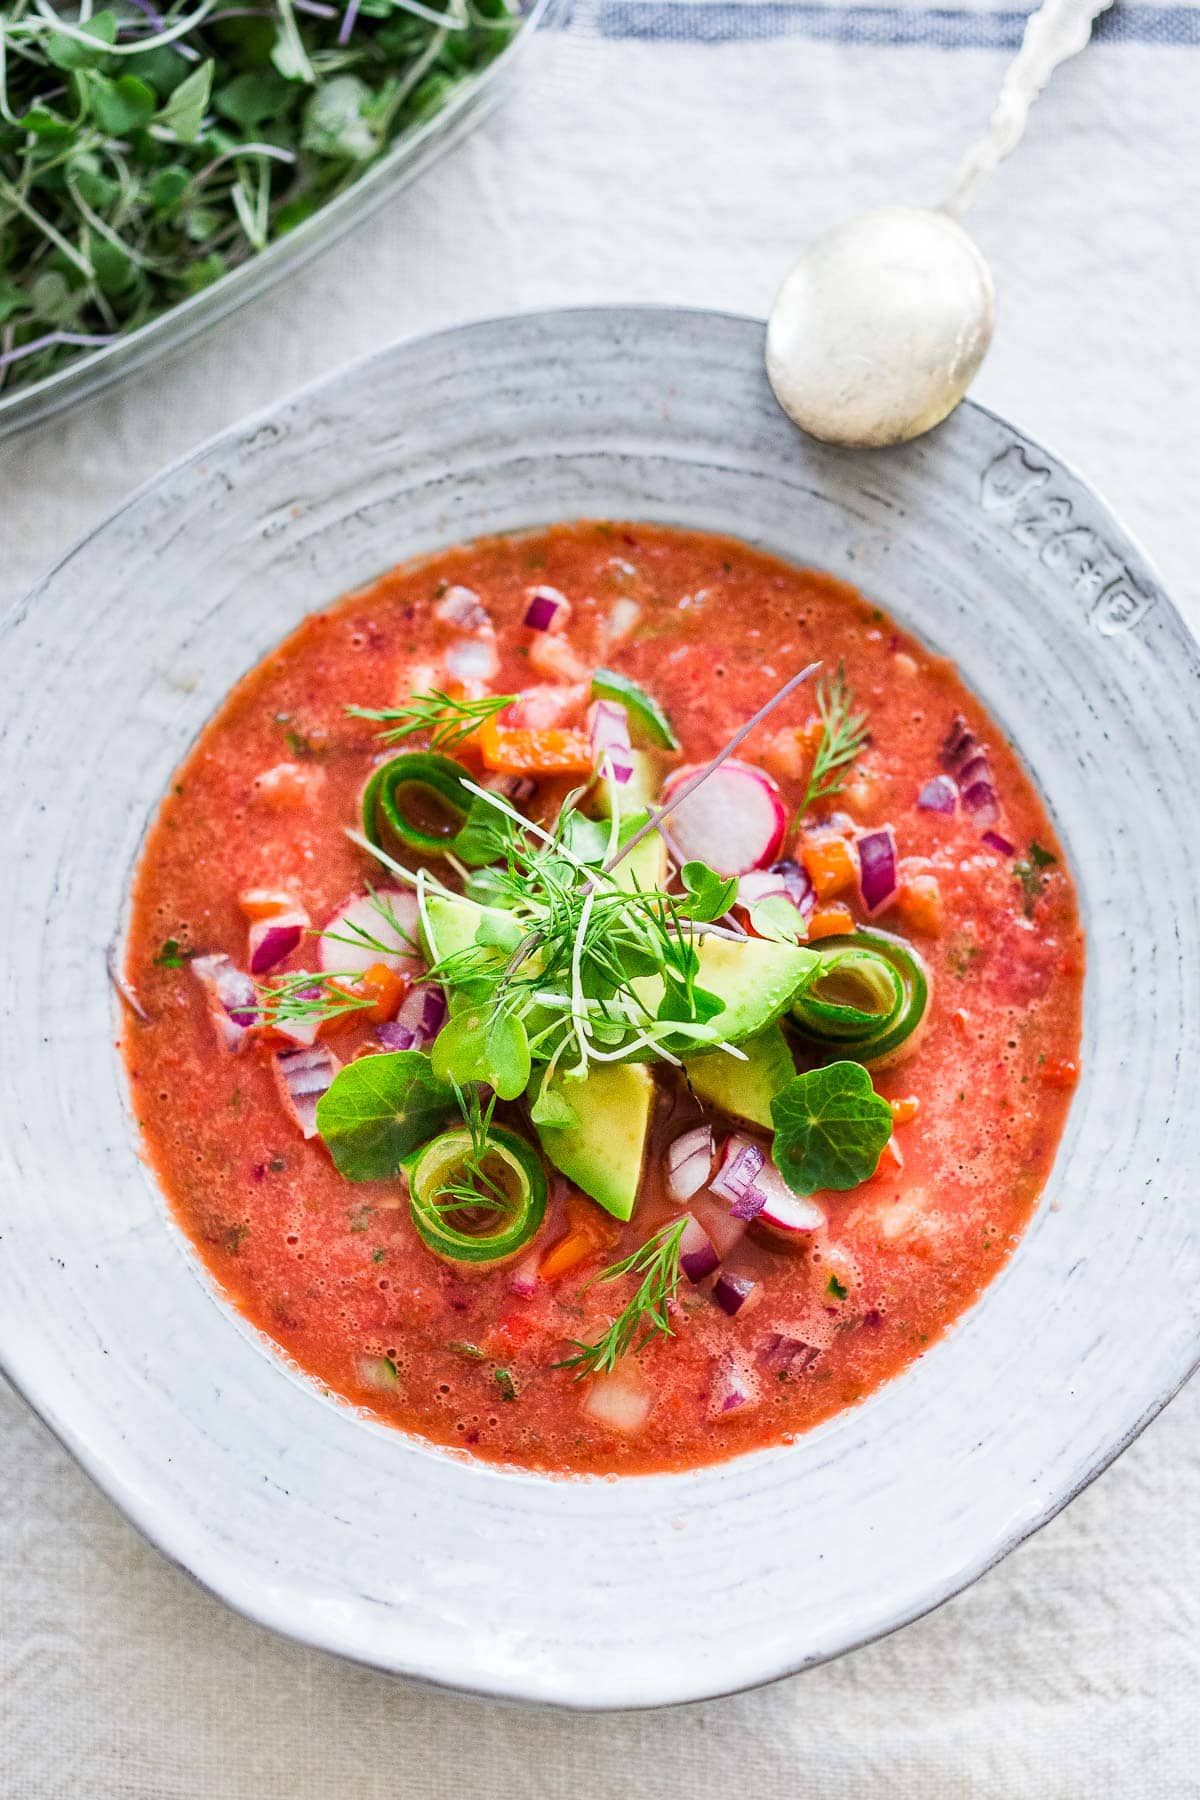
[346,1534]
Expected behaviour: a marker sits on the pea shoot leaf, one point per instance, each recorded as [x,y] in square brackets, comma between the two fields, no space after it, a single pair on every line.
[380,1109]
[184,111]
[776,917]
[709,895]
[830,1128]
[481,1045]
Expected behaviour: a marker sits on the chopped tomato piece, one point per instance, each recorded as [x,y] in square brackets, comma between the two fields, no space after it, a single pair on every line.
[904,1111]
[554,656]
[1058,1072]
[787,755]
[830,865]
[919,904]
[386,987]
[526,752]
[567,1254]
[830,921]
[510,1331]
[962,1021]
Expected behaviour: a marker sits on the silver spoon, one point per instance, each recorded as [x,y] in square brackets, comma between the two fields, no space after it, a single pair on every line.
[879,329]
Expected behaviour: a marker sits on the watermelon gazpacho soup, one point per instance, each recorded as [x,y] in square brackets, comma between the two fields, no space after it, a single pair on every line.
[602,999]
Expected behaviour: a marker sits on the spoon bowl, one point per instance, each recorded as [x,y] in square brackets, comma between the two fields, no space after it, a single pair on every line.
[879,329]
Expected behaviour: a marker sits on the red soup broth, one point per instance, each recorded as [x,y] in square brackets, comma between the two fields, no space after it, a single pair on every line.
[334,1271]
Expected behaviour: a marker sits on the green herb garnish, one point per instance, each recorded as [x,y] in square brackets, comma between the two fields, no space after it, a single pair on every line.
[447,721]
[836,1288]
[646,1316]
[172,955]
[830,1128]
[506,1384]
[1031,875]
[843,736]
[144,153]
[379,1110]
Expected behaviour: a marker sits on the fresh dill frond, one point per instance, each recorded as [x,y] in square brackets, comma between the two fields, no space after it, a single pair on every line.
[305,998]
[476,1191]
[843,735]
[447,721]
[358,937]
[646,1316]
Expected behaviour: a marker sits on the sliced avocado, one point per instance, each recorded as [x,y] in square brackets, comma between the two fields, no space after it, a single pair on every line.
[452,924]
[602,1152]
[646,865]
[755,977]
[745,1090]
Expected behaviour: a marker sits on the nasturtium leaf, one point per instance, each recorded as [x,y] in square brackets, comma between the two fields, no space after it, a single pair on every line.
[830,1128]
[380,1109]
[709,895]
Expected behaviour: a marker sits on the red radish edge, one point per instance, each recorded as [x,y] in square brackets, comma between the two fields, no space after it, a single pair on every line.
[354,958]
[735,822]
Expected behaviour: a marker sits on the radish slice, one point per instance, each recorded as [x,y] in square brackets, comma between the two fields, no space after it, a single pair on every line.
[303,1076]
[608,727]
[421,1016]
[232,998]
[734,822]
[689,1162]
[614,1401]
[697,1253]
[789,1353]
[523,1277]
[273,939]
[781,1209]
[877,868]
[736,1294]
[390,918]
[734,1389]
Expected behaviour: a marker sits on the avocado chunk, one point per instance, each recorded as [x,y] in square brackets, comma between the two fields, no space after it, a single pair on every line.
[602,1152]
[645,868]
[637,795]
[754,977]
[745,1090]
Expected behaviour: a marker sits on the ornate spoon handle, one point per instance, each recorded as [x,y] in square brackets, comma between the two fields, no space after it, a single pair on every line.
[1057,30]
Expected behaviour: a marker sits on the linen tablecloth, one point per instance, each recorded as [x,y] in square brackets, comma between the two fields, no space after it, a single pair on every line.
[683,150]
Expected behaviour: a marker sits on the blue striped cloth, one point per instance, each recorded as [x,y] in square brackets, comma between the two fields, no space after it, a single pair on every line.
[941,27]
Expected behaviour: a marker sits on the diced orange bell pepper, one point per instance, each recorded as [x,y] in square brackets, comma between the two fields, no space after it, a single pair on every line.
[265,903]
[890,1162]
[341,1023]
[919,904]
[1058,1072]
[386,987]
[831,866]
[567,1254]
[904,1111]
[520,751]
[830,921]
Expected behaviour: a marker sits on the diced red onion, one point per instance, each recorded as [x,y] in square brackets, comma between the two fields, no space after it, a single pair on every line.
[689,1162]
[523,1276]
[273,939]
[301,1031]
[939,795]
[548,610]
[780,1351]
[734,822]
[697,1253]
[734,1388]
[982,802]
[797,884]
[347,952]
[420,1017]
[735,1293]
[877,868]
[622,618]
[725,1231]
[608,728]
[999,844]
[474,659]
[959,743]
[232,997]
[735,1180]
[461,606]
[303,1076]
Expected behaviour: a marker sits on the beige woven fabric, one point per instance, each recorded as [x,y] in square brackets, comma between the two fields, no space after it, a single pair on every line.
[629,170]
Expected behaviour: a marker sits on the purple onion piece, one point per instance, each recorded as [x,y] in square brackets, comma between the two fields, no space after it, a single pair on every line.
[272,940]
[394,1036]
[749,1206]
[734,1388]
[877,868]
[982,802]
[999,844]
[938,796]
[539,614]
[232,997]
[420,1017]
[735,1178]
[779,1351]
[461,606]
[731,1292]
[304,1075]
[697,1253]
[797,885]
[959,743]
[689,1162]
